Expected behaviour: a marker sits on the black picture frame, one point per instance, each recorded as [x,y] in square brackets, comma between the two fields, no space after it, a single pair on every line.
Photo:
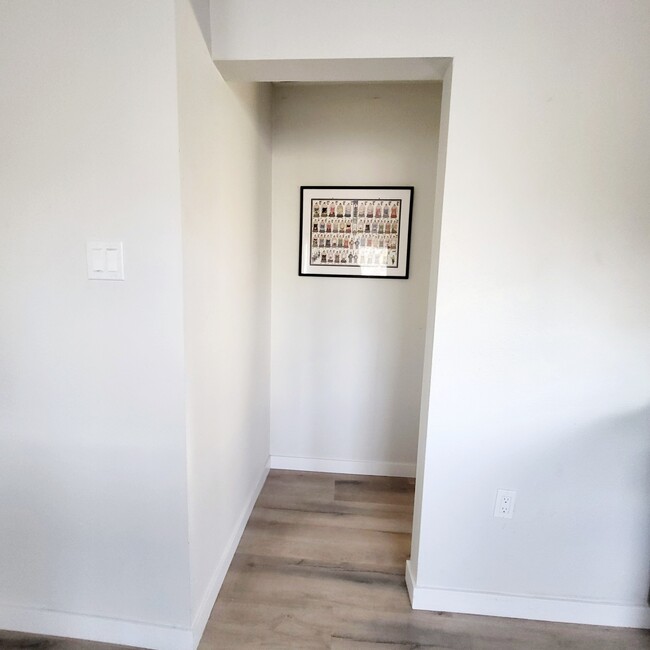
[355,231]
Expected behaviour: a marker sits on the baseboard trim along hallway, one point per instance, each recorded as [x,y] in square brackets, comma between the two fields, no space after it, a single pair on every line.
[133,633]
[95,628]
[335,466]
[555,610]
[203,614]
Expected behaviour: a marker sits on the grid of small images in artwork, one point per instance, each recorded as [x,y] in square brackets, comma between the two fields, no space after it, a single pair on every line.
[350,232]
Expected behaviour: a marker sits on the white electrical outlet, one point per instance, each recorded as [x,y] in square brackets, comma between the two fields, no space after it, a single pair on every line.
[505,504]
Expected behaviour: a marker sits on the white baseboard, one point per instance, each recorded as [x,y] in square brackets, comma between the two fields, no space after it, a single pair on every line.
[219,574]
[94,628]
[131,633]
[334,466]
[557,610]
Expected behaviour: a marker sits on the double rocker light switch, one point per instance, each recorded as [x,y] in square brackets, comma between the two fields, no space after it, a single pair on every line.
[105,261]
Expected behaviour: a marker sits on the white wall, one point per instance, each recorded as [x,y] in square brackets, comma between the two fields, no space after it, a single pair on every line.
[101,382]
[347,352]
[541,351]
[225,179]
[93,499]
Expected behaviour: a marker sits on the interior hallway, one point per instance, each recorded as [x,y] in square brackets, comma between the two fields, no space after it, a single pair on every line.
[321,566]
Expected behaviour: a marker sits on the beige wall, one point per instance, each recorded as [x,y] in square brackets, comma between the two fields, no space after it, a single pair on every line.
[92,431]
[541,348]
[123,402]
[225,165]
[347,352]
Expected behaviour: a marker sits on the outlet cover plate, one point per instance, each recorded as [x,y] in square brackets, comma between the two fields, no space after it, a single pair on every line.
[505,504]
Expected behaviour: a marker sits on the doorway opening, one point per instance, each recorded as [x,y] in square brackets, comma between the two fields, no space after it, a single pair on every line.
[351,358]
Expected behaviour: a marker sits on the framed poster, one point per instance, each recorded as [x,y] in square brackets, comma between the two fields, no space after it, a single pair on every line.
[355,232]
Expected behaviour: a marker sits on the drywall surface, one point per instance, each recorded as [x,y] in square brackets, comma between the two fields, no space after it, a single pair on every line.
[541,349]
[92,449]
[347,352]
[225,163]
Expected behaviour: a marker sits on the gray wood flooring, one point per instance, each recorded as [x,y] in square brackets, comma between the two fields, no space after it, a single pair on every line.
[321,566]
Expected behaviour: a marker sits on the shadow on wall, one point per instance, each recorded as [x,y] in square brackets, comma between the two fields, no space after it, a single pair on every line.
[201,10]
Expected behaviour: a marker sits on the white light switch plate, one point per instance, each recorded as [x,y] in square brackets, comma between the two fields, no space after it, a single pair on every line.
[105,260]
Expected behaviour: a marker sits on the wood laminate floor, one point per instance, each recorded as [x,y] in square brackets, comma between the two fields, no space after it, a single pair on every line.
[321,566]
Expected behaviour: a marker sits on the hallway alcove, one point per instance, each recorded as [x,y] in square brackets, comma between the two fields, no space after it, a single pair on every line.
[347,353]
[348,356]
[141,417]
